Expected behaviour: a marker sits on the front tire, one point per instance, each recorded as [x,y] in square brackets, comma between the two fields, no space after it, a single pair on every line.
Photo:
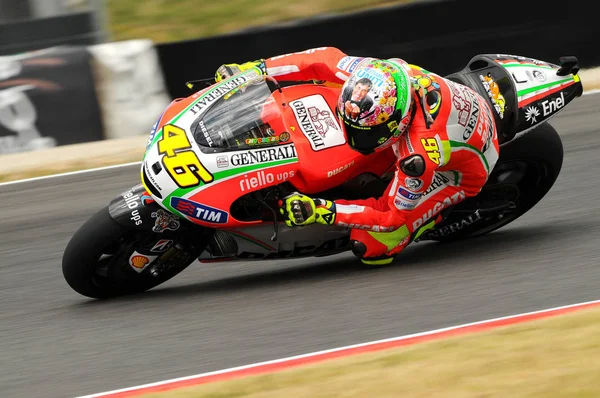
[96,260]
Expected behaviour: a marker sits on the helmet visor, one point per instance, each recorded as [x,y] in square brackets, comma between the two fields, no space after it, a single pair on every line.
[368,139]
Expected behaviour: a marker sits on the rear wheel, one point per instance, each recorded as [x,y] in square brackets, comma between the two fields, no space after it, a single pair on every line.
[525,172]
[96,259]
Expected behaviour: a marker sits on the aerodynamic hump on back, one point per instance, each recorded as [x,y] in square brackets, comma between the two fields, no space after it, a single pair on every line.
[522,91]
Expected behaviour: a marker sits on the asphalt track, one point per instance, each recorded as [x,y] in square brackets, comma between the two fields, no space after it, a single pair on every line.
[56,343]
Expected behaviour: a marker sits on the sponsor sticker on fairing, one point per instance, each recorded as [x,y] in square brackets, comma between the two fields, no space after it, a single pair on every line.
[164,220]
[133,202]
[541,110]
[199,211]
[162,246]
[139,262]
[339,169]
[262,178]
[531,114]
[222,162]
[539,75]
[318,122]
[553,105]
[150,175]
[493,91]
[263,155]
[220,90]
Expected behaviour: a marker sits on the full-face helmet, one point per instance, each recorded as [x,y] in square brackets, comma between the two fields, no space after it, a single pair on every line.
[375,104]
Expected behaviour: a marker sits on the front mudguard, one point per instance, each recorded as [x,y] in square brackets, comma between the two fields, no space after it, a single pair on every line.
[135,209]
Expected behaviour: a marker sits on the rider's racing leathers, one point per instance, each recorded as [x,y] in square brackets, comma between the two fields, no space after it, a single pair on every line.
[445,157]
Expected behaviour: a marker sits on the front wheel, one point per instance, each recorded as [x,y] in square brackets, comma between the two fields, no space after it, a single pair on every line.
[525,172]
[96,260]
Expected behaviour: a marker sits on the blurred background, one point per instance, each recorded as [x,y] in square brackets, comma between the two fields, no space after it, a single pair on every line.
[83,81]
[80,71]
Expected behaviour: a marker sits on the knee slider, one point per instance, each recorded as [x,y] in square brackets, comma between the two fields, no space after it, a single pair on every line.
[358,248]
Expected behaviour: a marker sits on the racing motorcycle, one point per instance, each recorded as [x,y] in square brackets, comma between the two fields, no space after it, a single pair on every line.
[217,163]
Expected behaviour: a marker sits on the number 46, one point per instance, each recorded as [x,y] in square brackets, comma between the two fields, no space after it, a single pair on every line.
[184,167]
[433,151]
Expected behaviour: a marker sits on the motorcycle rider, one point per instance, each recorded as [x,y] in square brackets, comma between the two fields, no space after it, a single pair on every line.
[443,134]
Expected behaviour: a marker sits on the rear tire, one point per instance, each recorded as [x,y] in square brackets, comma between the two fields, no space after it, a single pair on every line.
[96,260]
[531,164]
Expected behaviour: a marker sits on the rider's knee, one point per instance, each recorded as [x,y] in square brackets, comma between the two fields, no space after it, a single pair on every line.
[359,249]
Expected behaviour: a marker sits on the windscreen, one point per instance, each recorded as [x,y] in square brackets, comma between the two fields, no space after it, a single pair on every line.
[246,116]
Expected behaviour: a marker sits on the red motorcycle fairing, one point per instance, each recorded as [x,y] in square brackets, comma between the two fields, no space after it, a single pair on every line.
[325,160]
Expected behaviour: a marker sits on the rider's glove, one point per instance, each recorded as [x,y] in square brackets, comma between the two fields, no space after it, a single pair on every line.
[227,70]
[299,209]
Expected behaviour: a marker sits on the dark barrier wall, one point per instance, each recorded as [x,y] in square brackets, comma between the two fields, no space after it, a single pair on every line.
[11,10]
[36,34]
[441,36]
[48,98]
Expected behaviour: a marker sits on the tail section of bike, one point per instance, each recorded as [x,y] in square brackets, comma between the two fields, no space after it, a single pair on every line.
[524,93]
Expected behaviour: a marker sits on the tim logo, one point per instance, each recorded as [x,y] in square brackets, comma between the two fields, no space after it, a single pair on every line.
[322,120]
[199,211]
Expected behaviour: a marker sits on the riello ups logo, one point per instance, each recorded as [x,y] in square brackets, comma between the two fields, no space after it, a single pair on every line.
[133,202]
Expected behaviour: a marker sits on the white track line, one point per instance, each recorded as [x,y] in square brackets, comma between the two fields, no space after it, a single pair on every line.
[70,173]
[516,317]
[129,164]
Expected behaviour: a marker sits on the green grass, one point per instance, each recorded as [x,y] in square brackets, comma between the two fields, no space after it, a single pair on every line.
[550,358]
[174,20]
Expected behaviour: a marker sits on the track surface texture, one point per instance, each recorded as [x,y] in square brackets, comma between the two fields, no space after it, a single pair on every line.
[56,343]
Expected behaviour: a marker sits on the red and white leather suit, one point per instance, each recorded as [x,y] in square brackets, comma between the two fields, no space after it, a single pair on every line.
[459,149]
